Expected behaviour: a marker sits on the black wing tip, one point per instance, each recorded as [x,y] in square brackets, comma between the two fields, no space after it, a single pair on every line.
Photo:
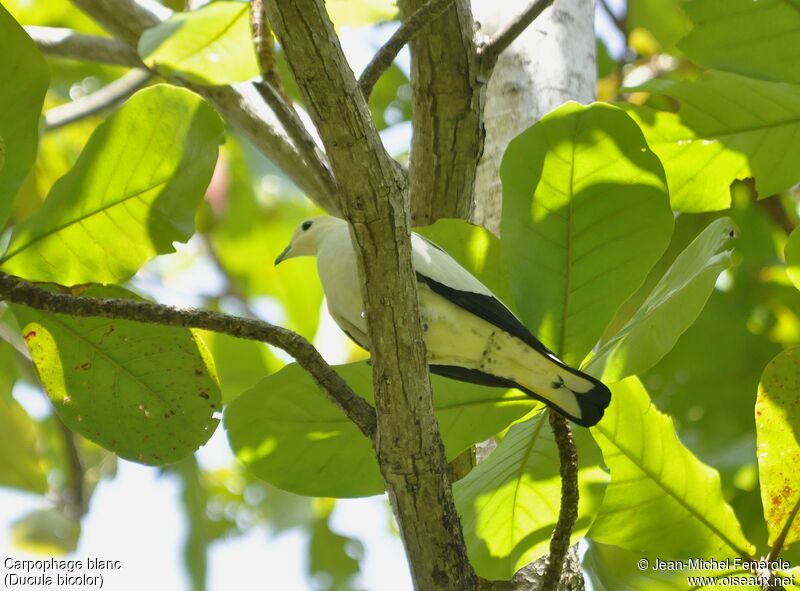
[593,404]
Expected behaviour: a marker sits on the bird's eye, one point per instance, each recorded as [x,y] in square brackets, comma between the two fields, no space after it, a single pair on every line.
[306,225]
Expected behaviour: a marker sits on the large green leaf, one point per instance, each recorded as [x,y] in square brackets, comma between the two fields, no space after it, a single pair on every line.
[20,463]
[509,504]
[478,251]
[287,432]
[673,305]
[728,127]
[146,392]
[760,39]
[613,569]
[663,19]
[778,428]
[661,498]
[130,195]
[25,76]
[585,216]
[210,45]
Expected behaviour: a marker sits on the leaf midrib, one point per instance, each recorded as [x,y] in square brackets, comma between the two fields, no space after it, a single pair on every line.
[633,459]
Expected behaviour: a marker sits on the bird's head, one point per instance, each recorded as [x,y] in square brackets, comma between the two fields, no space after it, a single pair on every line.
[308,236]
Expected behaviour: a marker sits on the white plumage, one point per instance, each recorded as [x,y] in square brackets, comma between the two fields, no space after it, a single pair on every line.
[469,334]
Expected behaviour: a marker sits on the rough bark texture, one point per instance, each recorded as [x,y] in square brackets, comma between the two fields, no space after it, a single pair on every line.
[373,200]
[552,62]
[447,96]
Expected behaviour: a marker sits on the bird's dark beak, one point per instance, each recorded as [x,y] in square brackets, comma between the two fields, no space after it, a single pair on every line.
[282,256]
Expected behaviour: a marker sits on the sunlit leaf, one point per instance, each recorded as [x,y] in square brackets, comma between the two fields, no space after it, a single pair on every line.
[287,432]
[20,464]
[210,45]
[131,194]
[25,76]
[145,392]
[585,217]
[756,38]
[661,498]
[778,428]
[672,306]
[728,127]
[509,504]
[360,12]
[47,532]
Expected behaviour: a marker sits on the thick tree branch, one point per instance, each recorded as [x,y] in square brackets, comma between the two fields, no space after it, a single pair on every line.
[568,514]
[66,43]
[107,96]
[410,451]
[505,36]
[384,57]
[18,291]
[447,104]
[241,105]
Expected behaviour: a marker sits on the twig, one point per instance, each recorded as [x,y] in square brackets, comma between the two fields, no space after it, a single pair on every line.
[108,96]
[66,43]
[384,57]
[73,494]
[311,153]
[618,22]
[492,49]
[265,48]
[19,291]
[568,513]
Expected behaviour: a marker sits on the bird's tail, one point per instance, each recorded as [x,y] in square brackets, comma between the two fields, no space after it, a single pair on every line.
[575,394]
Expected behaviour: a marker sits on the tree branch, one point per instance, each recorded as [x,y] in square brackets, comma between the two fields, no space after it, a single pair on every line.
[384,57]
[66,43]
[410,451]
[241,105]
[16,290]
[568,514]
[505,36]
[107,96]
[447,104]
[619,22]
[265,48]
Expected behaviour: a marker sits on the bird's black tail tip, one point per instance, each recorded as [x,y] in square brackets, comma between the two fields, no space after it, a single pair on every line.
[593,404]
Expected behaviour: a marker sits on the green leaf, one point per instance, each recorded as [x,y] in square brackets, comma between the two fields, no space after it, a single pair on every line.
[663,19]
[287,432]
[476,249]
[509,504]
[728,127]
[671,308]
[248,235]
[210,45]
[778,429]
[130,195]
[146,392]
[792,255]
[661,498]
[333,559]
[20,463]
[194,501]
[46,532]
[240,363]
[760,39]
[357,13]
[20,107]
[585,216]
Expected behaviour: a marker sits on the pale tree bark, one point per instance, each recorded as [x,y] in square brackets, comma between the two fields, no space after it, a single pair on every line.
[551,62]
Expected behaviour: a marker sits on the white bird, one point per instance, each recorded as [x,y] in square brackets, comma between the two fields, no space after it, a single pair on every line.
[470,335]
